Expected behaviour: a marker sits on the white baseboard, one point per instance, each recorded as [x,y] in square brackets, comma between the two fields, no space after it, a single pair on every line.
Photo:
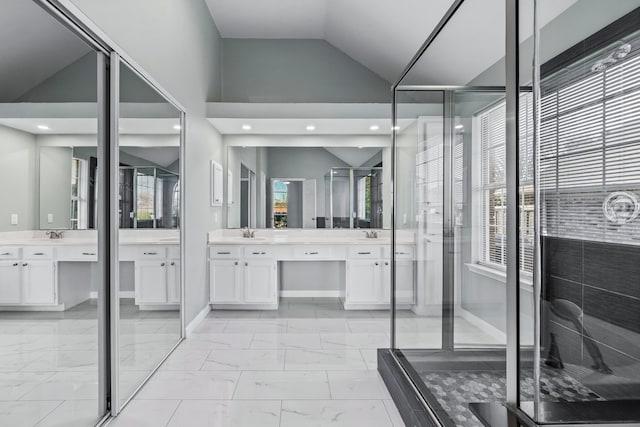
[123,294]
[311,294]
[485,326]
[59,307]
[197,320]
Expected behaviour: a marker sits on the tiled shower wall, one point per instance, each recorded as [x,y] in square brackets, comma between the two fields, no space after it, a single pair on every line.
[603,279]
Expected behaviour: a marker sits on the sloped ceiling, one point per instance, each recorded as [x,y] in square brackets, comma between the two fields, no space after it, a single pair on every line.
[33,47]
[382,35]
[353,156]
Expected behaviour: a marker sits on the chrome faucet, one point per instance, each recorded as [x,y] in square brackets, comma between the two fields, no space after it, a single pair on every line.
[55,234]
[247,233]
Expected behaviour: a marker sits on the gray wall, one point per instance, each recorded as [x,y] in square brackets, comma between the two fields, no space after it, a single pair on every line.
[269,70]
[18,177]
[303,162]
[78,83]
[178,44]
[294,208]
[55,187]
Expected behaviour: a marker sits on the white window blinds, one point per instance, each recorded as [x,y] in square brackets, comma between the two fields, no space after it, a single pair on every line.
[493,250]
[590,148]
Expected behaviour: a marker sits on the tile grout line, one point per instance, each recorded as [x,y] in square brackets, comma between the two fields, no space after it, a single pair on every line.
[48,413]
[173,414]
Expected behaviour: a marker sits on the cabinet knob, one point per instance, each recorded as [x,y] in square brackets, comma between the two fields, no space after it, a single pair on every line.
[386,263]
[162,265]
[377,263]
[236,262]
[25,264]
[246,264]
[15,264]
[173,263]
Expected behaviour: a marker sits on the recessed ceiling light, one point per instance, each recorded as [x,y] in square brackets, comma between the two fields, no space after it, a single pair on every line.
[311,127]
[246,127]
[43,127]
[459,126]
[177,127]
[374,127]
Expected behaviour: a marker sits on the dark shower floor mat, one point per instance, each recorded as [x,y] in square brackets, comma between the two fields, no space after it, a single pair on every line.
[454,390]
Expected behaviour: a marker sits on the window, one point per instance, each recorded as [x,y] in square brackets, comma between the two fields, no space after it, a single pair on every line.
[79,194]
[590,148]
[493,250]
[364,198]
[280,204]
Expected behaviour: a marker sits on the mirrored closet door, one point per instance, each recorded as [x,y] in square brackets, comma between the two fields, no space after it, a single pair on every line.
[53,335]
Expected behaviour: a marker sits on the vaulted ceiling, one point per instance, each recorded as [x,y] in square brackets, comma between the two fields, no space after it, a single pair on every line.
[33,46]
[383,35]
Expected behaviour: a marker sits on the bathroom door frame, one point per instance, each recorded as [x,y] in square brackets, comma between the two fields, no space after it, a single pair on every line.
[112,55]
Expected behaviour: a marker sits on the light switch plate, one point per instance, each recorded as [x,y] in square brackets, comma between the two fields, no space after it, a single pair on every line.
[49,218]
[14,219]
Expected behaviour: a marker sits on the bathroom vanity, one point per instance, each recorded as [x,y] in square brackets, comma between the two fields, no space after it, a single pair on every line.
[244,272]
[42,274]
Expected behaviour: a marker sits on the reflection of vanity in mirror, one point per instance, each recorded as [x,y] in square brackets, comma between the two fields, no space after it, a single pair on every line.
[301,209]
[49,214]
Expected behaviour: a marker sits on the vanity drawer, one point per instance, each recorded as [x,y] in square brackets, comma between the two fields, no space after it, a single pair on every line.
[77,253]
[259,252]
[364,252]
[33,252]
[313,252]
[9,252]
[402,252]
[224,252]
[152,252]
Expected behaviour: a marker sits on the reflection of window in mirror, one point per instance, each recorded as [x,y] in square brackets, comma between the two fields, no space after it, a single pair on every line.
[364,198]
[79,193]
[175,205]
[280,204]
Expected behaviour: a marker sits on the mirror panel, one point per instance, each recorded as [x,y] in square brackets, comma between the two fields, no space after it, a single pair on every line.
[53,352]
[149,238]
[340,185]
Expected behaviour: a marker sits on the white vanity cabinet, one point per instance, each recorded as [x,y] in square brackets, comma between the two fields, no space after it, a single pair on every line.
[38,282]
[225,282]
[29,278]
[368,283]
[260,282]
[10,282]
[243,278]
[157,276]
[363,282]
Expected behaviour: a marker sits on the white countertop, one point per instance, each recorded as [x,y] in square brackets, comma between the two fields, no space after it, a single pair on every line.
[89,238]
[304,237]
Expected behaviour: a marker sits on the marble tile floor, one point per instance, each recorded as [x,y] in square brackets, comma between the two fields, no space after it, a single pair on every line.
[49,361]
[309,363]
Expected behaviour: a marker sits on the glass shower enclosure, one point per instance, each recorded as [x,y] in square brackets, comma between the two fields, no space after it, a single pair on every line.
[517,177]
[353,197]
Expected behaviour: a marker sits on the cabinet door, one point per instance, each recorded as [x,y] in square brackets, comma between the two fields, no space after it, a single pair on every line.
[260,282]
[404,282]
[224,277]
[10,282]
[151,282]
[173,282]
[39,282]
[363,281]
